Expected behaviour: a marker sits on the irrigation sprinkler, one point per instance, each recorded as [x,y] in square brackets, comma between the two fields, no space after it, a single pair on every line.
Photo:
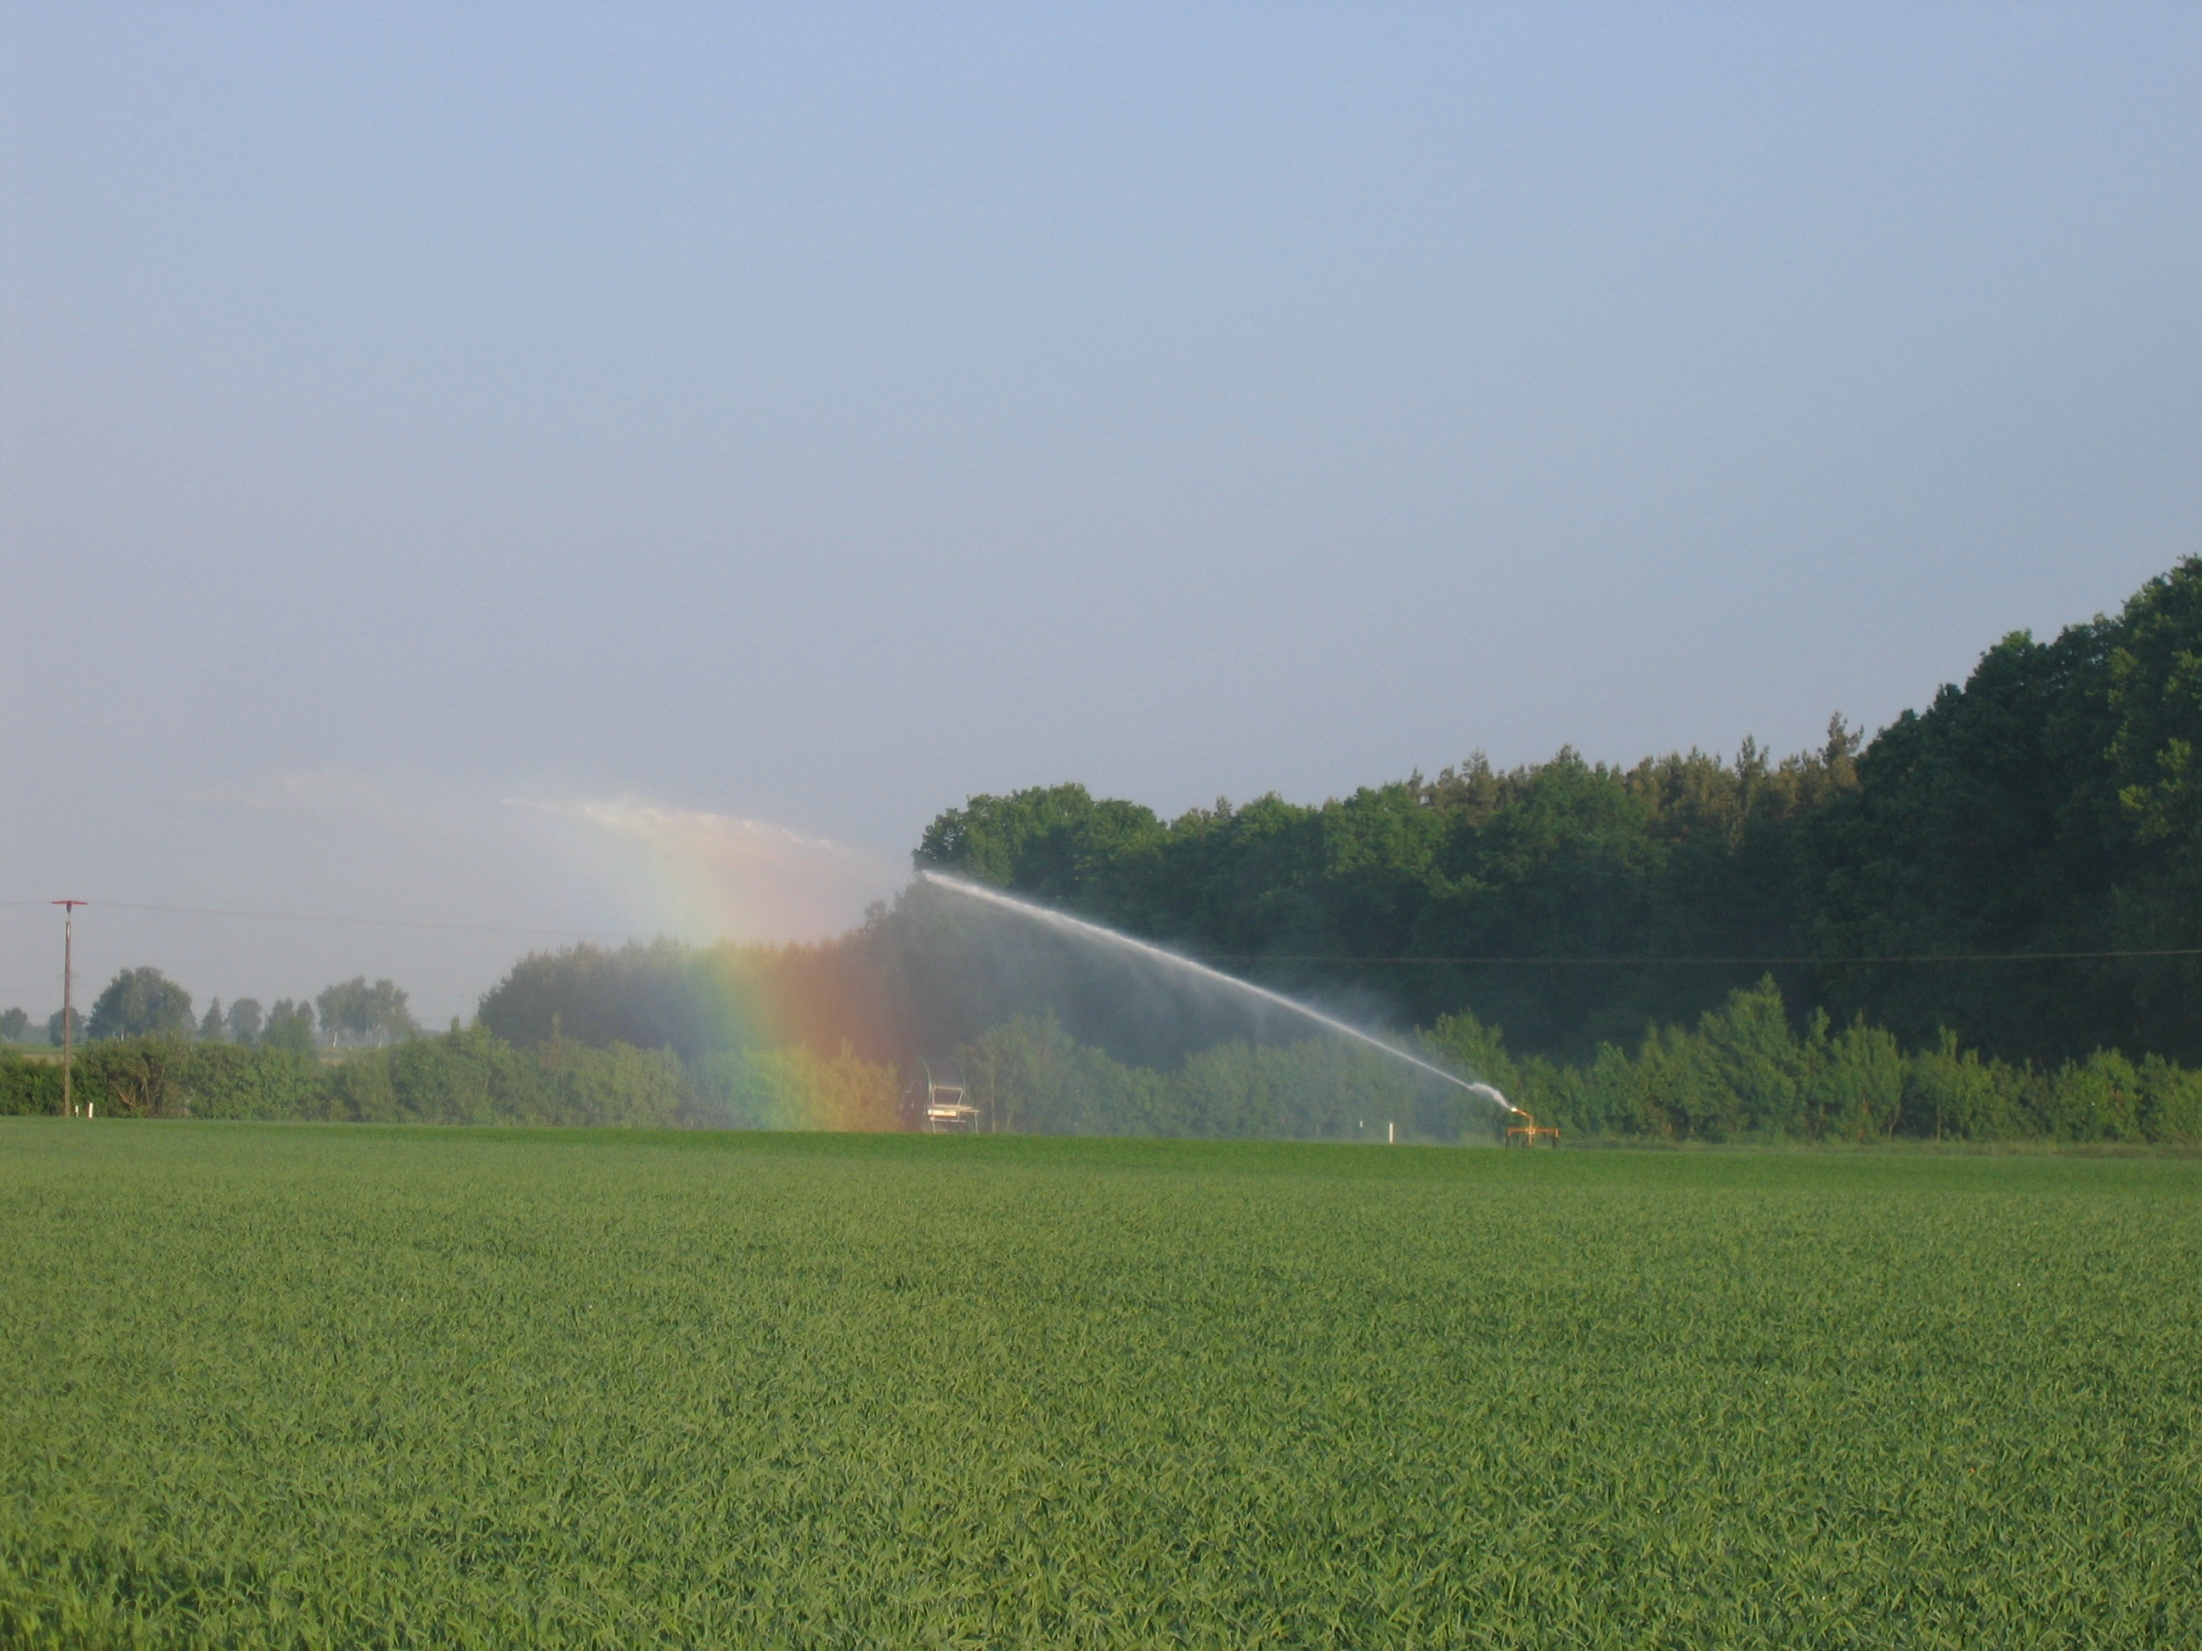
[938,1102]
[1527,1132]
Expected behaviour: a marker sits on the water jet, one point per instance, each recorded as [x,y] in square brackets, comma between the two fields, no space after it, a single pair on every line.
[1101,934]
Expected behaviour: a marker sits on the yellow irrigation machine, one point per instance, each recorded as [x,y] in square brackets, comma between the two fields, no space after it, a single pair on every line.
[1527,1132]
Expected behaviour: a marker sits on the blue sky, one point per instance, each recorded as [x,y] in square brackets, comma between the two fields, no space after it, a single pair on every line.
[622,469]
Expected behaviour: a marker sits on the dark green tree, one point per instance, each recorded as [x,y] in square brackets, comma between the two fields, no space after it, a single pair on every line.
[357,1015]
[1055,842]
[141,1003]
[2050,806]
[289,1028]
[244,1021]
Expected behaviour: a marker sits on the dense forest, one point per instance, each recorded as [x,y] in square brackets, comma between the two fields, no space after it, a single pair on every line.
[2020,863]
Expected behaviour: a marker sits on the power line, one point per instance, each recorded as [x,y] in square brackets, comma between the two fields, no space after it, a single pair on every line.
[350,922]
[1477,960]
[1641,962]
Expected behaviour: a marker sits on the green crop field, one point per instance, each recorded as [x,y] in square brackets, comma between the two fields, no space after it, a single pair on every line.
[320,1386]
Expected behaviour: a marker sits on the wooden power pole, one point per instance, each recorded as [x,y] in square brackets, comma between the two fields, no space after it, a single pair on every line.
[68,995]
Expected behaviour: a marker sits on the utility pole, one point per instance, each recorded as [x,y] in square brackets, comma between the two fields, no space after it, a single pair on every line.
[68,1001]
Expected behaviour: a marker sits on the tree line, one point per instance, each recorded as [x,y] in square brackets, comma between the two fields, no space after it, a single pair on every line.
[2020,863]
[1952,929]
[1746,1070]
[1049,1047]
[1742,1072]
[142,1002]
[465,1076]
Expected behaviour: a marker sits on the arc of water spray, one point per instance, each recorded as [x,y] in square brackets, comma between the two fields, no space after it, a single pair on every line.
[1095,931]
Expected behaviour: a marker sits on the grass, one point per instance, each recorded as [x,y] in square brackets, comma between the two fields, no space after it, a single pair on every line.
[317,1386]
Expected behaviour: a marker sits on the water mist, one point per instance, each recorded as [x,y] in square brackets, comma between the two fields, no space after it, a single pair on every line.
[1079,927]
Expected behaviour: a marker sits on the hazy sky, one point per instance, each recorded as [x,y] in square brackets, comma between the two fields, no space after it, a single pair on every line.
[626,468]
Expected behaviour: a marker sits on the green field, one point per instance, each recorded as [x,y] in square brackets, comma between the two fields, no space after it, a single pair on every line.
[314,1386]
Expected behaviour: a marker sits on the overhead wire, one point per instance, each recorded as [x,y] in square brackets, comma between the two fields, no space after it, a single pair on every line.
[1798,961]
[329,918]
[1412,959]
